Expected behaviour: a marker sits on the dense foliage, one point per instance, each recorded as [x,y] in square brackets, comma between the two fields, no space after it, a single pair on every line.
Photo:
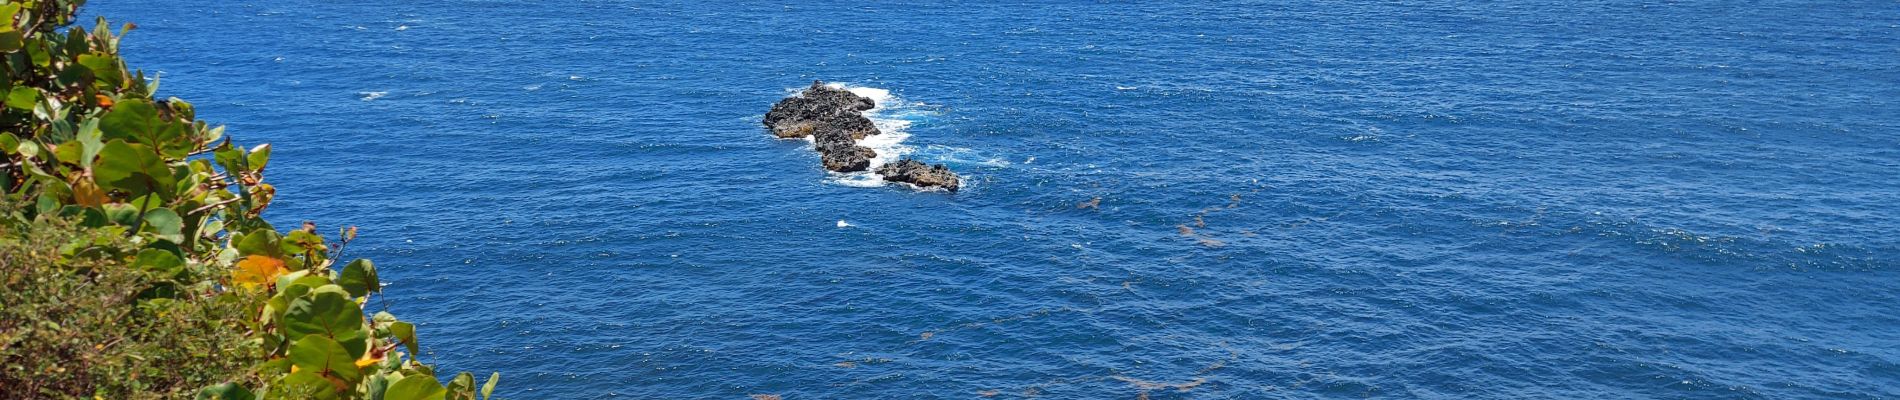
[134,259]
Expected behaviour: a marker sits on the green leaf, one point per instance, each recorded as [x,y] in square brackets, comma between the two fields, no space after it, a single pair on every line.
[105,67]
[260,155]
[489,387]
[10,40]
[131,119]
[378,384]
[68,153]
[166,224]
[323,356]
[415,387]
[90,141]
[359,278]
[462,387]
[304,385]
[29,148]
[262,241]
[227,157]
[161,262]
[299,242]
[38,53]
[328,314]
[23,97]
[121,213]
[133,168]
[405,332]
[280,304]
[225,391]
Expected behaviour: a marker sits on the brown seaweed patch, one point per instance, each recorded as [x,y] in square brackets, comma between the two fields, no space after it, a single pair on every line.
[1147,385]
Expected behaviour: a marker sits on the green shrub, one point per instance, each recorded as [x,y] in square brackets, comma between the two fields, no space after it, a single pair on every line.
[76,319]
[137,267]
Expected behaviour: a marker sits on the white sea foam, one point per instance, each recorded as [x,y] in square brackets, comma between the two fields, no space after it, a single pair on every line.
[959,155]
[367,96]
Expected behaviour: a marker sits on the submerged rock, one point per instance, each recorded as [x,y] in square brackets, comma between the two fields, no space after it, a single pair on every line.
[833,118]
[918,173]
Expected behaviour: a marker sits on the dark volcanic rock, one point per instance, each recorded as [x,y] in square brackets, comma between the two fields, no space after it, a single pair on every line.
[854,159]
[796,116]
[923,175]
[833,119]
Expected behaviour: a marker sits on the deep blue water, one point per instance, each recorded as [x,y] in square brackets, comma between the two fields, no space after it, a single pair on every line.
[1537,199]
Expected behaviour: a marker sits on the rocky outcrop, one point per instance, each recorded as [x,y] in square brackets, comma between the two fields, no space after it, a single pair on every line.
[918,173]
[833,118]
[820,106]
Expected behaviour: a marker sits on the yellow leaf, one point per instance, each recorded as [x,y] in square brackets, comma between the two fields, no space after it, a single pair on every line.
[368,361]
[257,270]
[86,193]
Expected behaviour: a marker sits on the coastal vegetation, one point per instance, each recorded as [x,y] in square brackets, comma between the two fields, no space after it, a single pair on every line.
[135,261]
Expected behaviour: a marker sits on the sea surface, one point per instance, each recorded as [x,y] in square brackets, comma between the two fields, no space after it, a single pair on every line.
[1176,200]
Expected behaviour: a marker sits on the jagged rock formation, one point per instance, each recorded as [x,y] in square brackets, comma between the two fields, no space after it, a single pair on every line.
[834,119]
[918,173]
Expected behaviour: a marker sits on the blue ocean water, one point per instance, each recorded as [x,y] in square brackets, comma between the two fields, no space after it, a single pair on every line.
[1535,199]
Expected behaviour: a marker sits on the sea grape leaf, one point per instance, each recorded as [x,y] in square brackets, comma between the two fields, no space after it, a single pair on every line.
[10,40]
[405,332]
[329,314]
[462,387]
[225,391]
[90,141]
[323,356]
[299,242]
[133,168]
[23,97]
[166,224]
[489,387]
[359,278]
[258,242]
[378,384]
[415,387]
[257,270]
[227,157]
[160,261]
[105,67]
[130,119]
[121,213]
[259,156]
[304,384]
